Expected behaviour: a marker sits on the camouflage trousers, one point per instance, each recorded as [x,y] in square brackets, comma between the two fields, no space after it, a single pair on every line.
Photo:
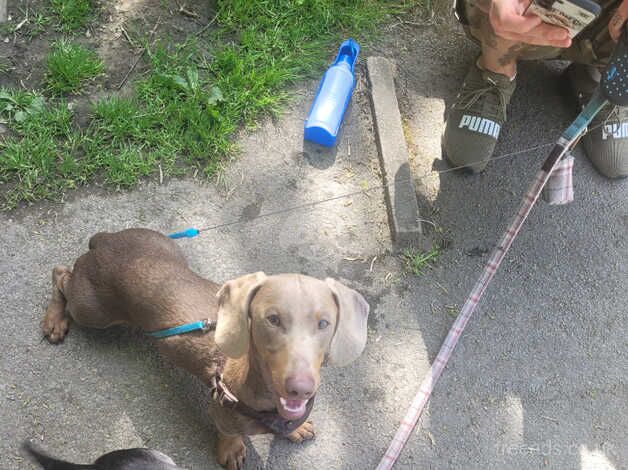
[593,46]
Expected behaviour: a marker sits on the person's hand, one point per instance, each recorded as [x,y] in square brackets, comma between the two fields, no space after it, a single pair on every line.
[618,21]
[509,21]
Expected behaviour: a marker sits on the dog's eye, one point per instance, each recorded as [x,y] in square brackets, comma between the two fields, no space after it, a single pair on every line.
[322,324]
[274,319]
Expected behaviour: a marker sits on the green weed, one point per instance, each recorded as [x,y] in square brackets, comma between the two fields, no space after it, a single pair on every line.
[69,66]
[71,14]
[37,24]
[5,65]
[417,261]
[35,158]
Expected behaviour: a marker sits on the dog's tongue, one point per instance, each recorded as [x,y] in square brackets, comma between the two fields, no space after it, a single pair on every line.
[293,406]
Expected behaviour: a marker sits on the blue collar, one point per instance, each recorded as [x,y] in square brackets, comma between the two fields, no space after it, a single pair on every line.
[203,325]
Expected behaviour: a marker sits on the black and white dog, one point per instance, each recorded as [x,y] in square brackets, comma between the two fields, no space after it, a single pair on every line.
[125,459]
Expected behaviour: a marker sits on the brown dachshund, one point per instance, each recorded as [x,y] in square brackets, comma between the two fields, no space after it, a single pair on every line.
[272,335]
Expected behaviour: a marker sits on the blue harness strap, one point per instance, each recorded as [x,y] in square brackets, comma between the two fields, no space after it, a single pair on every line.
[187,233]
[203,325]
[579,125]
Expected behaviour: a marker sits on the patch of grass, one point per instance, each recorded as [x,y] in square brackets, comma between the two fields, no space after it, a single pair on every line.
[293,38]
[417,261]
[69,66]
[123,166]
[32,24]
[190,102]
[27,23]
[36,161]
[37,24]
[196,118]
[16,106]
[5,65]
[118,119]
[71,14]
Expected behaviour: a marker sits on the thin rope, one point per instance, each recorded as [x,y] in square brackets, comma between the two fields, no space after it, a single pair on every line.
[431,174]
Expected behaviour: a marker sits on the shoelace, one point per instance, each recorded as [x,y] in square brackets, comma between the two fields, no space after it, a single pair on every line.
[469,98]
[616,115]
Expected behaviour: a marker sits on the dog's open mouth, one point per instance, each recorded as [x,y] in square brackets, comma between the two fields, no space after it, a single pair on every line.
[291,409]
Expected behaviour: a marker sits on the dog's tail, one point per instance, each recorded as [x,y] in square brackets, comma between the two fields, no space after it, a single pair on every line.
[50,463]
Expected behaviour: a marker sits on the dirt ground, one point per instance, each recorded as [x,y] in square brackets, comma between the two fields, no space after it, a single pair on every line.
[115,33]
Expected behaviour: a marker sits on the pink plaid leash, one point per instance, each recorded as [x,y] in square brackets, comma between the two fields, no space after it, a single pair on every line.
[416,408]
[562,194]
[559,187]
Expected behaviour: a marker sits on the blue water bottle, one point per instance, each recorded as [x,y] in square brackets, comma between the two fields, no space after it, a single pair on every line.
[333,97]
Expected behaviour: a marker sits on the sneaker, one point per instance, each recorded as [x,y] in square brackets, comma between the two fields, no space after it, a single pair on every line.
[476,118]
[606,142]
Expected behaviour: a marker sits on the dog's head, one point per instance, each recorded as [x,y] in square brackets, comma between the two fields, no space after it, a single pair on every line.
[293,323]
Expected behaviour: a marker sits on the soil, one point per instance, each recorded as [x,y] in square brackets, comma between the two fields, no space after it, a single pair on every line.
[115,33]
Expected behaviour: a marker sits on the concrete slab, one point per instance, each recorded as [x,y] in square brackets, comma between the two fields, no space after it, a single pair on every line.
[403,210]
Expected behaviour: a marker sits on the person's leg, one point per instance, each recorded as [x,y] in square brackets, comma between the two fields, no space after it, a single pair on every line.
[498,55]
[475,119]
[606,142]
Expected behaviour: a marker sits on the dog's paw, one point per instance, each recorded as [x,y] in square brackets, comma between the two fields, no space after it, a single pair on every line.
[305,432]
[231,452]
[55,327]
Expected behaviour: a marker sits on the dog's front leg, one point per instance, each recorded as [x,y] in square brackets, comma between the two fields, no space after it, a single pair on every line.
[231,451]
[305,432]
[56,322]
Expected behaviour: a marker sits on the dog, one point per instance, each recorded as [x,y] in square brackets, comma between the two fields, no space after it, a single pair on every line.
[125,459]
[272,333]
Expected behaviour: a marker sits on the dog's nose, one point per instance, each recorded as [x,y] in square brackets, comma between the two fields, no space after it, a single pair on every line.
[300,387]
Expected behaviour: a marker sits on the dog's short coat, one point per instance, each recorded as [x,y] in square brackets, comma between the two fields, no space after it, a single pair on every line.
[124,459]
[275,331]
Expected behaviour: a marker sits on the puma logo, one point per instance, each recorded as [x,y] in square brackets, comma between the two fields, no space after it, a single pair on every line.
[481,125]
[618,130]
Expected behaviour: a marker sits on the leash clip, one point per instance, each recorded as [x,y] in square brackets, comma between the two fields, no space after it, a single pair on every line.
[208,325]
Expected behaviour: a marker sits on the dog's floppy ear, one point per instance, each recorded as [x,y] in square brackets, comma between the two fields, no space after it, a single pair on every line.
[350,335]
[232,326]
